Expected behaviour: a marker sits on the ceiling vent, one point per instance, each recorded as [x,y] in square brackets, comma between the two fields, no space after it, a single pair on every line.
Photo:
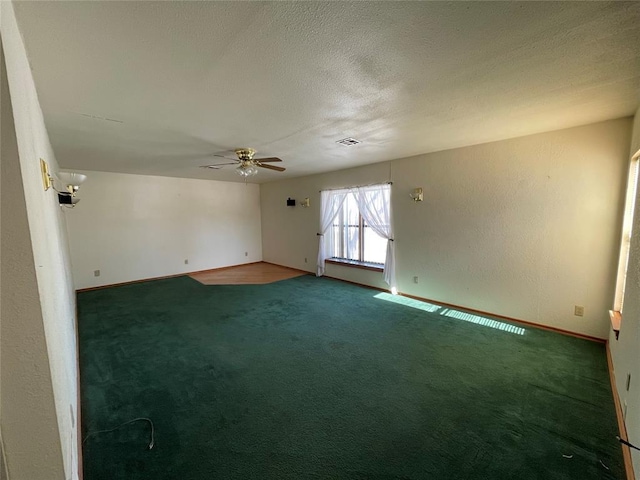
[347,142]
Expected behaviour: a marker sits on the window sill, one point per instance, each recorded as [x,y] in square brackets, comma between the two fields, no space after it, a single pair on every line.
[616,321]
[355,264]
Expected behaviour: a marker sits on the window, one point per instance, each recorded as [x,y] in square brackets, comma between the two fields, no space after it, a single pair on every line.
[627,224]
[352,240]
[355,228]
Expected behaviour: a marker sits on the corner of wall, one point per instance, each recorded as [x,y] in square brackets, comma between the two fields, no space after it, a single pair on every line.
[46,301]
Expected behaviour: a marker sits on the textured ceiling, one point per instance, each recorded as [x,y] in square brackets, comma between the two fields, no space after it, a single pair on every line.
[189,79]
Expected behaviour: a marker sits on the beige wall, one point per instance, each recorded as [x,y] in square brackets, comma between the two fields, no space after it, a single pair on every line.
[526,228]
[27,403]
[626,350]
[132,227]
[39,372]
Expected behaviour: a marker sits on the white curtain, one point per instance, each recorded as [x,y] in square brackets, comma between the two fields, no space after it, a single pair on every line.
[374,203]
[331,202]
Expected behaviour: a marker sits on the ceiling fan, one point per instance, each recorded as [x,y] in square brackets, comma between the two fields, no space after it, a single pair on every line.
[247,165]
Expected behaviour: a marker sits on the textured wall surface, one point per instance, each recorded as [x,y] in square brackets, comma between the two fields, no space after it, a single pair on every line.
[132,227]
[46,302]
[625,350]
[29,425]
[526,228]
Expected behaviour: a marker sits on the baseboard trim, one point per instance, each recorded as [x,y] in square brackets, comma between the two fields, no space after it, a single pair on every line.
[436,302]
[164,277]
[290,268]
[626,451]
[480,312]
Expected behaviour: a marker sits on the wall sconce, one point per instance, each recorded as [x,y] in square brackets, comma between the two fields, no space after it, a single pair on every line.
[417,195]
[69,182]
[305,203]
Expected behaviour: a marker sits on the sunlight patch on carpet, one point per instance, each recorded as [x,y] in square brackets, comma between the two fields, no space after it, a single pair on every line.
[485,322]
[408,302]
[448,312]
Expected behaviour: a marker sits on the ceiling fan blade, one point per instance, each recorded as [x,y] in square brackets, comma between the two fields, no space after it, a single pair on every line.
[216,166]
[226,158]
[271,167]
[269,159]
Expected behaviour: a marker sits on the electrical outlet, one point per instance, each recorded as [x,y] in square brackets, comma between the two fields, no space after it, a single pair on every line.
[415,279]
[246,254]
[186,261]
[96,273]
[578,310]
[305,259]
[628,381]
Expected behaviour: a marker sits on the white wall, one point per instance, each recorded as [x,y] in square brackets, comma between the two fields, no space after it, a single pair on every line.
[27,399]
[45,319]
[626,350]
[526,228]
[132,227]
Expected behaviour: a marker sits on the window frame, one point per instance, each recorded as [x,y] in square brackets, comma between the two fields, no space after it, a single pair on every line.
[345,260]
[625,243]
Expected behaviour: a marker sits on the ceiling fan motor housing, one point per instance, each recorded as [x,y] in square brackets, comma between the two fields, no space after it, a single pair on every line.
[245,154]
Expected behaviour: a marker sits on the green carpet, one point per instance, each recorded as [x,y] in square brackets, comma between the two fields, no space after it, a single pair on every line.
[318,379]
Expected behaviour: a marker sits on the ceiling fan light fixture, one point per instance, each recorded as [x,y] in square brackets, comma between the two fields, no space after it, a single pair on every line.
[246,171]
